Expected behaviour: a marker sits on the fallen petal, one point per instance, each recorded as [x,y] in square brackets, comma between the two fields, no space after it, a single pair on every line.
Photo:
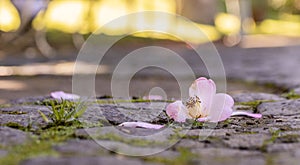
[62,95]
[244,113]
[153,97]
[141,125]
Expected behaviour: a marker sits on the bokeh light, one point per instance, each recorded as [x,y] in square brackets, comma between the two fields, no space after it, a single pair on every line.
[10,20]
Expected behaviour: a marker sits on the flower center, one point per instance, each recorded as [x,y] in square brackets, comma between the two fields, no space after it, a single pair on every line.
[194,107]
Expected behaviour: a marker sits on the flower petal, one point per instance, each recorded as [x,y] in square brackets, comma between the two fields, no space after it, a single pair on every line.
[203,119]
[205,89]
[221,108]
[244,113]
[63,95]
[153,97]
[142,125]
[177,111]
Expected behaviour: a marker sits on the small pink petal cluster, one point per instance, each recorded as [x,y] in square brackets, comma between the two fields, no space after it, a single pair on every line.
[205,104]
[62,95]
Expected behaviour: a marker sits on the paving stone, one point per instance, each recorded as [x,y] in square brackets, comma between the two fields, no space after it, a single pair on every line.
[80,147]
[24,115]
[105,160]
[287,107]
[249,160]
[210,132]
[224,152]
[235,141]
[246,141]
[30,99]
[130,141]
[297,90]
[242,108]
[10,136]
[166,154]
[147,134]
[247,97]
[283,147]
[283,158]
[132,150]
[221,156]
[124,112]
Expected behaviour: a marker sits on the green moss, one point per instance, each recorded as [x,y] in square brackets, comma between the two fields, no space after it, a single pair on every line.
[5,105]
[197,124]
[269,160]
[176,135]
[253,104]
[13,112]
[250,133]
[275,135]
[17,126]
[133,141]
[291,95]
[28,150]
[292,138]
[58,133]
[186,157]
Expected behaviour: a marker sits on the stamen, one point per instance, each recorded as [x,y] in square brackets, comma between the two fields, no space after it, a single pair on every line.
[194,107]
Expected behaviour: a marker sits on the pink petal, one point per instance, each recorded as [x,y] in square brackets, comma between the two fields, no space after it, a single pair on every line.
[177,111]
[63,95]
[244,113]
[153,97]
[205,89]
[221,108]
[142,125]
[203,119]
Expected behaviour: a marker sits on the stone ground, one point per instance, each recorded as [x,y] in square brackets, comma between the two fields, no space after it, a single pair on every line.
[26,138]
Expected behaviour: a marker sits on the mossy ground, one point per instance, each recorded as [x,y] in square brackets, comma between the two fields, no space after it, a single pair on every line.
[27,150]
[41,141]
[291,95]
[44,138]
[186,157]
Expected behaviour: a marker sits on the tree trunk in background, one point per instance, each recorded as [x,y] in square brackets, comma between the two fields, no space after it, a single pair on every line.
[202,11]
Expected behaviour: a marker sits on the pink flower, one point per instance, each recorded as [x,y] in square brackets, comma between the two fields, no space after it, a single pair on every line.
[62,95]
[204,104]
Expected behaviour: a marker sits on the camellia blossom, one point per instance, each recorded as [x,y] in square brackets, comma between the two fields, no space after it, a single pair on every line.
[205,104]
[62,95]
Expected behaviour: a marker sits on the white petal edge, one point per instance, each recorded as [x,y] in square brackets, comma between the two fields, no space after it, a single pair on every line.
[141,125]
[244,113]
[62,95]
